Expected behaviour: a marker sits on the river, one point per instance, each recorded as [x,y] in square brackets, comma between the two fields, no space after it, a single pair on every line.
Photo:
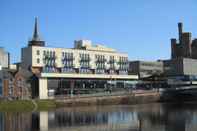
[144,117]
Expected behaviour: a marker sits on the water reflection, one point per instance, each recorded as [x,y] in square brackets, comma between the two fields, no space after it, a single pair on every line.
[147,117]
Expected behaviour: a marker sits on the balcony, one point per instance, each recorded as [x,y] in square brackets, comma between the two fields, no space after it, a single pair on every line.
[123,72]
[85,59]
[68,58]
[112,61]
[101,66]
[85,70]
[99,71]
[51,57]
[50,62]
[67,70]
[100,60]
[85,66]
[48,69]
[68,66]
[123,62]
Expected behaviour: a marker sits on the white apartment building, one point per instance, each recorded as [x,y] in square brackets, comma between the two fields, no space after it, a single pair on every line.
[85,66]
[83,59]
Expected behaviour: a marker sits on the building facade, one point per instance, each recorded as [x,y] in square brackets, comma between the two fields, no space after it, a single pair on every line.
[14,84]
[82,59]
[64,70]
[145,68]
[7,88]
[183,63]
[180,67]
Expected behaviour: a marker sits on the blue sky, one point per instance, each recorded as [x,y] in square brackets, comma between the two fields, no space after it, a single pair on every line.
[142,28]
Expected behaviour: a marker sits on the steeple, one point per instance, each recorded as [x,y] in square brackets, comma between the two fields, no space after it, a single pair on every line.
[35,35]
[36,41]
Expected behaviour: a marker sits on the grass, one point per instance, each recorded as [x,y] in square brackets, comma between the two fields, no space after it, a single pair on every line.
[26,105]
[18,105]
[46,104]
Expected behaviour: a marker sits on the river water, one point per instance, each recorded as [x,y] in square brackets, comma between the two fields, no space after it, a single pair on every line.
[144,117]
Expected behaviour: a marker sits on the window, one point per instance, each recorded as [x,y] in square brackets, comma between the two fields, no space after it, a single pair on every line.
[38,52]
[51,53]
[38,60]
[44,61]
[44,53]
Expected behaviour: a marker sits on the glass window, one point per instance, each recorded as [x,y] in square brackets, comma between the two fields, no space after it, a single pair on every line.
[44,61]
[51,53]
[38,60]
[38,52]
[47,53]
[44,53]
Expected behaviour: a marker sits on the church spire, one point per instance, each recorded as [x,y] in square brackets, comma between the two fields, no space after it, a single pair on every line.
[36,41]
[36,35]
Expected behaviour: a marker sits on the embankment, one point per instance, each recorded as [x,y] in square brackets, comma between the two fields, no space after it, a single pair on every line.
[128,98]
[132,98]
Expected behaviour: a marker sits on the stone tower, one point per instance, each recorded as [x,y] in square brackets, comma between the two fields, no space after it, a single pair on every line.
[182,47]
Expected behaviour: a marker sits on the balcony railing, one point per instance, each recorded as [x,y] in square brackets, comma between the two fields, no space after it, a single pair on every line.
[68,58]
[100,71]
[50,57]
[112,61]
[85,70]
[48,69]
[99,60]
[67,70]
[85,59]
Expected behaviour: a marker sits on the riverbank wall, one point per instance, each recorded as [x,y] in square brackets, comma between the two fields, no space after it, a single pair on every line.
[129,98]
[109,99]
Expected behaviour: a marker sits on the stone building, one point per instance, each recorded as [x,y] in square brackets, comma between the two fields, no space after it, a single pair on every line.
[185,47]
[15,84]
[6,85]
[22,84]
